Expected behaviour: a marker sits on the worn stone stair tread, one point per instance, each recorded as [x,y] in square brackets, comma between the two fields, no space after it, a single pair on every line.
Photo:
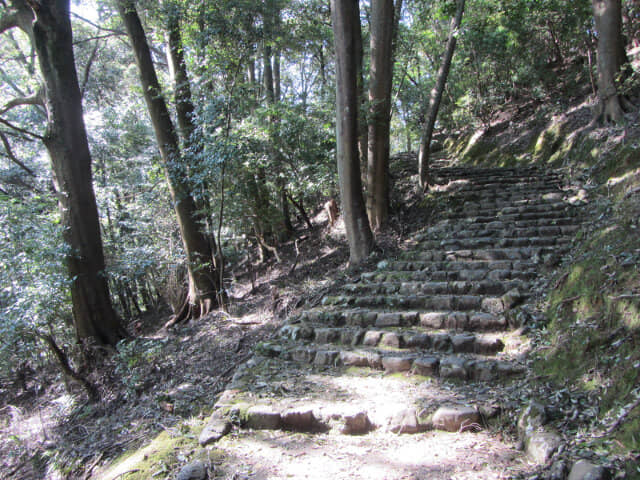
[467,242]
[515,253]
[460,366]
[449,224]
[415,339]
[439,302]
[432,319]
[504,230]
[462,285]
[452,265]
[451,276]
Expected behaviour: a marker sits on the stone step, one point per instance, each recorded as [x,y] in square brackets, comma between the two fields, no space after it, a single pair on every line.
[533,254]
[463,242]
[465,367]
[453,225]
[504,230]
[499,208]
[525,194]
[451,265]
[307,416]
[464,191]
[494,173]
[494,176]
[370,318]
[482,287]
[418,341]
[531,205]
[469,274]
[482,217]
[461,302]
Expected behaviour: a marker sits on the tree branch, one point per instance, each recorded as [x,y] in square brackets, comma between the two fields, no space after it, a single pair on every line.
[21,130]
[87,69]
[35,99]
[12,157]
[6,79]
[98,27]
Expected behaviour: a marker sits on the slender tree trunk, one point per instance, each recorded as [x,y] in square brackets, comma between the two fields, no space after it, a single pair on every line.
[382,27]
[203,278]
[346,20]
[272,22]
[610,58]
[66,142]
[185,113]
[363,132]
[436,97]
[300,207]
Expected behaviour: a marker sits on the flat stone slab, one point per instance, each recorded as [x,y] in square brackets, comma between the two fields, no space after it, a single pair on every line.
[371,338]
[299,419]
[455,419]
[389,320]
[406,421]
[427,366]
[584,470]
[326,357]
[216,428]
[453,367]
[262,417]
[356,424]
[396,364]
[193,471]
[354,359]
[391,339]
[541,446]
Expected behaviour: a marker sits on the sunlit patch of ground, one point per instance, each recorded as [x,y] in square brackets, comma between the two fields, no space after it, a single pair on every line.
[377,456]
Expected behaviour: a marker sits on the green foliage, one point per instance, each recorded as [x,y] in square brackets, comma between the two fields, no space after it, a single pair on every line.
[34,295]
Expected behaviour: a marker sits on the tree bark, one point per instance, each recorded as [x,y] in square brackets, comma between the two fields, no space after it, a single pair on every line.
[346,20]
[67,144]
[204,283]
[185,113]
[610,58]
[436,97]
[363,131]
[382,27]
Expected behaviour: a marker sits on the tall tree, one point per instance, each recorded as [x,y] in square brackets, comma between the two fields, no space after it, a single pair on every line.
[611,56]
[345,16]
[191,141]
[436,97]
[68,147]
[204,283]
[382,28]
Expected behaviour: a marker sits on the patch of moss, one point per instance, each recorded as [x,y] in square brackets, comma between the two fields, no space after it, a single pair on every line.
[593,337]
[158,457]
[550,140]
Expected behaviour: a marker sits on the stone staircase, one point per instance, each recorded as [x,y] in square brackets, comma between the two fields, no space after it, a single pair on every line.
[426,342]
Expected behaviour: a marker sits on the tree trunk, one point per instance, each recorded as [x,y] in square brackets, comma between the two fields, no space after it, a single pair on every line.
[346,20]
[382,27]
[363,132]
[436,97]
[185,113]
[66,142]
[203,278]
[610,57]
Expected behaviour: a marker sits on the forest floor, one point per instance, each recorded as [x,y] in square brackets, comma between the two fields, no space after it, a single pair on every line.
[159,387]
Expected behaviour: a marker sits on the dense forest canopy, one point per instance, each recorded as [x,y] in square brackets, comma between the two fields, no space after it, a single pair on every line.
[250,101]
